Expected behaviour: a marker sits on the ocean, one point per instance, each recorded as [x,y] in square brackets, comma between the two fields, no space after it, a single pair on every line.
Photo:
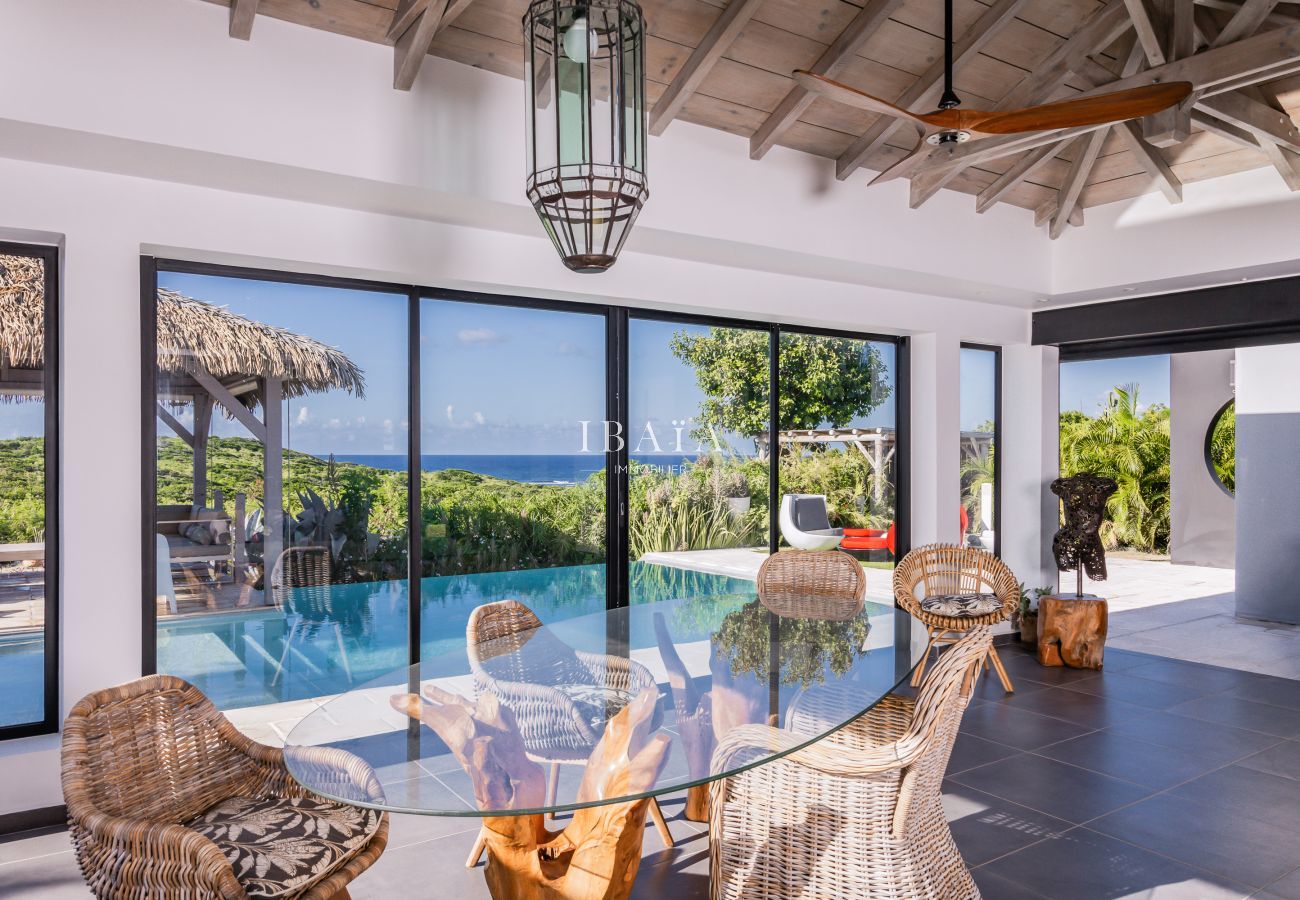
[532,468]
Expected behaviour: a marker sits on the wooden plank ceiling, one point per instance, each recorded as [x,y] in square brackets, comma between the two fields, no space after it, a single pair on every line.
[726,64]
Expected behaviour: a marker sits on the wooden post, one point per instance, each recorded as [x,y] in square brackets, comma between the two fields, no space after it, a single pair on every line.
[239,552]
[202,428]
[272,477]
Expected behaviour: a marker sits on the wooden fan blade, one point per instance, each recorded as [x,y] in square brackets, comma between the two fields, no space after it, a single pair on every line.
[834,90]
[1116,106]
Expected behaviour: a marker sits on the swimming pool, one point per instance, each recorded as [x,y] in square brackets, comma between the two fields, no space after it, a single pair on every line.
[234,657]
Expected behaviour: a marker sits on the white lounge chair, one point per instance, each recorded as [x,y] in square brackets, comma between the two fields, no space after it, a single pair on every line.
[805,524]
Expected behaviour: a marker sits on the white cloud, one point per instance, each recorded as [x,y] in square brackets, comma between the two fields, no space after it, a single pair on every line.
[479,336]
[303,417]
[478,417]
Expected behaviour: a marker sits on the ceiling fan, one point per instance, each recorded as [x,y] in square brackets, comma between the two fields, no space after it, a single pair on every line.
[949,124]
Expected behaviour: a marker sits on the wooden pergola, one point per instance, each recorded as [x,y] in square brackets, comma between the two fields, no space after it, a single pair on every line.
[877,445]
[209,359]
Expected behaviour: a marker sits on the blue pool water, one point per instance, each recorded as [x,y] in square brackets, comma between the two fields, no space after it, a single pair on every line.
[234,657]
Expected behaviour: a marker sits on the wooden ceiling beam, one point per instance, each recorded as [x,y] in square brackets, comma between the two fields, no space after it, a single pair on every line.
[1244,22]
[1284,161]
[864,24]
[1027,165]
[1258,118]
[242,14]
[715,43]
[1047,210]
[1173,125]
[424,18]
[1269,55]
[925,91]
[1086,151]
[1149,29]
[1151,161]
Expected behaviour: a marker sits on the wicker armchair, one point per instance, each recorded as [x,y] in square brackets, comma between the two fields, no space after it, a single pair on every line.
[824,584]
[560,697]
[146,763]
[949,571]
[857,814]
[302,585]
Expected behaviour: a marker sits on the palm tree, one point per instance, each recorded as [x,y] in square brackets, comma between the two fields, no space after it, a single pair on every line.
[1131,445]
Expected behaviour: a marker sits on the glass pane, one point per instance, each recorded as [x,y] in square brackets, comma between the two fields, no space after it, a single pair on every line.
[838,443]
[281,517]
[513,463]
[698,418]
[22,496]
[979,489]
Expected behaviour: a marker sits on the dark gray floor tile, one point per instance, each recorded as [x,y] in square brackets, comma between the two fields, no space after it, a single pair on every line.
[681,873]
[968,752]
[1089,710]
[429,869]
[1025,666]
[1283,758]
[1286,888]
[1168,730]
[1248,793]
[1056,788]
[1134,760]
[995,887]
[1274,691]
[1208,678]
[1086,865]
[1007,724]
[404,829]
[986,827]
[1117,660]
[1241,713]
[1240,848]
[49,877]
[990,688]
[1140,691]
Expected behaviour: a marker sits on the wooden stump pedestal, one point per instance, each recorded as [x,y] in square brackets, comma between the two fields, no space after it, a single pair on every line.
[1072,631]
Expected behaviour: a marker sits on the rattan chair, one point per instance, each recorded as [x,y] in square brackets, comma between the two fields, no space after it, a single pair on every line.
[825,584]
[947,570]
[302,585]
[857,814]
[537,676]
[145,763]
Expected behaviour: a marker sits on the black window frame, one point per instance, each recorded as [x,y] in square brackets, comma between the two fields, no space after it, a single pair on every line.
[49,722]
[996,350]
[616,373]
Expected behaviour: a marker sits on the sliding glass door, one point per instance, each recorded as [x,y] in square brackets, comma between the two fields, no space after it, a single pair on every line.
[699,404]
[513,450]
[981,386]
[341,472]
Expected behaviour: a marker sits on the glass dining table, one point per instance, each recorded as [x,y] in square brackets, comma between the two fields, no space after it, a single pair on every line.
[600,715]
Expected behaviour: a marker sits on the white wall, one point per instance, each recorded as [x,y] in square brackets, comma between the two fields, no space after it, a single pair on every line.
[140,127]
[1202,515]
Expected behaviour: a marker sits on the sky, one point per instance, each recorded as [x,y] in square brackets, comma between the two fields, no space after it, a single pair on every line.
[978,386]
[1085,384]
[494,379]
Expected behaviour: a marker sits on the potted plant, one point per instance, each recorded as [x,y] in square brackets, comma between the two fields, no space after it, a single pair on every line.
[735,490]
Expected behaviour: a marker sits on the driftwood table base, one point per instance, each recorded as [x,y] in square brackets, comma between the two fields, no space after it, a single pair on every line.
[1072,631]
[597,855]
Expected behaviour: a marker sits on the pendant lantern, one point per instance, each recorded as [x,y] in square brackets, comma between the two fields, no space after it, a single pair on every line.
[585,77]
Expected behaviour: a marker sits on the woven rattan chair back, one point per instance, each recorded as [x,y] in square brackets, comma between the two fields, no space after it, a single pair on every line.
[857,814]
[812,583]
[302,582]
[153,749]
[951,569]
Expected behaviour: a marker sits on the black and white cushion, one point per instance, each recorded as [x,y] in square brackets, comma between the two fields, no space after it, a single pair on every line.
[961,606]
[281,846]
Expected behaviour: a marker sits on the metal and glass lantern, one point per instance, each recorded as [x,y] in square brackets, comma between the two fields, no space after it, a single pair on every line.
[585,75]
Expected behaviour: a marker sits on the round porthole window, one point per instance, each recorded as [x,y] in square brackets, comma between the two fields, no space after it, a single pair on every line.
[1221,447]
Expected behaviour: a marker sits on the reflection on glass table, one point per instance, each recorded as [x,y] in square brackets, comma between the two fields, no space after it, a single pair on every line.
[471,732]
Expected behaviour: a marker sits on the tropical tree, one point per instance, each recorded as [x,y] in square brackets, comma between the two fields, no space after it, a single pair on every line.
[826,382]
[1223,447]
[1131,445]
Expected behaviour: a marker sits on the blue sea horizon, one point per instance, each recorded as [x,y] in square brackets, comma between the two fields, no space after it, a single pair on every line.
[569,468]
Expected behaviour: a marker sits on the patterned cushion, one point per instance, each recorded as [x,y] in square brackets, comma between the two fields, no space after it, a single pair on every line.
[961,606]
[280,846]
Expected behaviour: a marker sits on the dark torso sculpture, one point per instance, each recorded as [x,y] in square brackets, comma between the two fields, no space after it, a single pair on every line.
[1078,544]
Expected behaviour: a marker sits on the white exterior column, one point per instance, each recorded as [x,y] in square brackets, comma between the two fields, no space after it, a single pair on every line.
[935,452]
[1030,451]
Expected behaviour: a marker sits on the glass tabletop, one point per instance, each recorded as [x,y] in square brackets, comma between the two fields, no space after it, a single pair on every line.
[533,717]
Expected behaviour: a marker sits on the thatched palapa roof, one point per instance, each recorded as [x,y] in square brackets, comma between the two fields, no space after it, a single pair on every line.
[192,335]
